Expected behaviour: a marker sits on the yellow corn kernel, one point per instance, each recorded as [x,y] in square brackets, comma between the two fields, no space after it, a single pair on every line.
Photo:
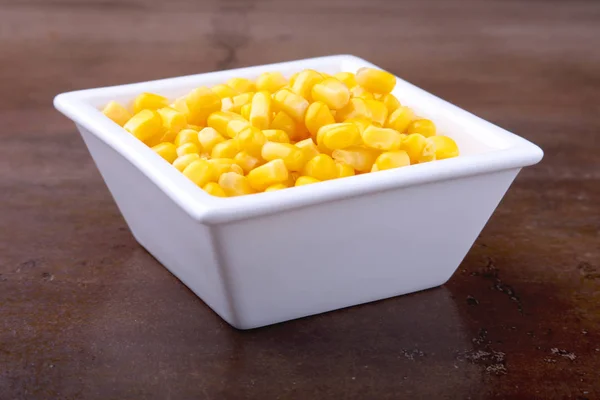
[196,128]
[241,100]
[305,180]
[275,187]
[361,123]
[379,111]
[418,148]
[425,127]
[149,101]
[321,167]
[293,79]
[359,158]
[304,83]
[226,149]
[236,126]
[187,148]
[172,119]
[208,138]
[226,104]
[187,136]
[339,136]
[245,111]
[246,161]
[391,102]
[292,104]
[181,106]
[214,189]
[270,81]
[445,147]
[222,165]
[400,119]
[332,92]
[391,159]
[167,136]
[251,140]
[166,151]
[309,148]
[276,135]
[359,91]
[201,102]
[356,108]
[285,123]
[260,113]
[268,174]
[375,80]
[183,161]
[344,169]
[200,172]
[117,113]
[381,138]
[347,78]
[241,85]
[220,120]
[144,125]
[235,184]
[224,91]
[317,115]
[292,156]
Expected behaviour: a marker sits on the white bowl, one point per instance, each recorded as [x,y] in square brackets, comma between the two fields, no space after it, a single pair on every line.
[266,258]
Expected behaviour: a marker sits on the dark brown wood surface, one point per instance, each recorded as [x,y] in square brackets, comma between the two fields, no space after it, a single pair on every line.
[85,312]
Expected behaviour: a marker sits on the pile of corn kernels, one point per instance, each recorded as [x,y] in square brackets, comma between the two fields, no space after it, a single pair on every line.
[245,136]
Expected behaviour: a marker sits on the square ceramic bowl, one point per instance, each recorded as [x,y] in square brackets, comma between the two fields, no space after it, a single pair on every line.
[270,257]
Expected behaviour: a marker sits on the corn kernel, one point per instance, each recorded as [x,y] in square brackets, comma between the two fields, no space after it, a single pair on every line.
[293,79]
[245,111]
[375,80]
[292,156]
[208,138]
[400,119]
[172,119]
[166,151]
[196,128]
[187,148]
[425,127]
[149,101]
[268,174]
[285,123]
[317,115]
[391,159]
[356,108]
[222,165]
[359,158]
[235,184]
[183,161]
[309,148]
[292,104]
[214,189]
[241,85]
[200,172]
[226,104]
[246,161]
[187,136]
[117,113]
[144,125]
[445,147]
[276,135]
[270,81]
[381,138]
[332,92]
[361,123]
[251,140]
[201,102]
[379,111]
[339,136]
[275,187]
[241,100]
[304,83]
[321,167]
[236,126]
[359,91]
[344,169]
[306,180]
[220,120]
[226,149]
[224,91]
[260,113]
[181,106]
[418,148]
[347,78]
[391,102]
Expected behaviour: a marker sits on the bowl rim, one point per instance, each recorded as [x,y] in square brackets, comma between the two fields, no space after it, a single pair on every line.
[78,106]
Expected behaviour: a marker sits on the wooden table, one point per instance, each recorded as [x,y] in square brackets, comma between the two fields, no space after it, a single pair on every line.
[86,313]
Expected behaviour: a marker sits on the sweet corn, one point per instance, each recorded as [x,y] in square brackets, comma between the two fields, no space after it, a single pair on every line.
[288,125]
[379,111]
[167,136]
[220,120]
[187,136]
[251,140]
[224,91]
[149,101]
[172,119]
[235,184]
[381,138]
[236,126]
[445,147]
[200,172]
[241,85]
[344,169]
[181,106]
[293,79]
[275,187]
[332,92]
[400,119]
[292,104]
[144,125]
[268,174]
[187,148]
[347,78]
[260,113]
[391,159]
[241,100]
[117,113]
[208,138]
[246,161]
[222,165]
[308,147]
[356,108]
[305,81]
[306,180]
[375,80]
[425,127]
[245,111]
[166,151]
[418,148]
[359,91]
[183,161]
[361,123]
[293,157]
[321,167]
[226,104]
[227,149]
[359,158]
[339,136]
[201,102]
[276,135]
[270,81]
[391,102]
[317,115]
[196,128]
[214,189]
